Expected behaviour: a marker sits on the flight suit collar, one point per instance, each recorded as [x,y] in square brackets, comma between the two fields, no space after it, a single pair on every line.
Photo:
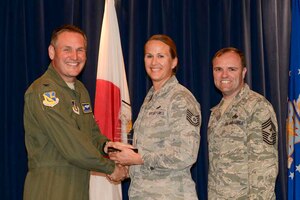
[57,78]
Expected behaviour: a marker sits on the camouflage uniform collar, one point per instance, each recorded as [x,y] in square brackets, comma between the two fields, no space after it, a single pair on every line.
[164,89]
[57,78]
[243,92]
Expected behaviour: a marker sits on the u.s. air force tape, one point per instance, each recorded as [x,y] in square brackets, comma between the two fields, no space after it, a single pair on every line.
[193,119]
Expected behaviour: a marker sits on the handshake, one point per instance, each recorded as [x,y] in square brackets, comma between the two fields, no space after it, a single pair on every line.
[124,155]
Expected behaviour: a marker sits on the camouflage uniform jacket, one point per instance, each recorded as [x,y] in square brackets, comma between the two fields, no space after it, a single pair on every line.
[243,160]
[167,135]
[62,140]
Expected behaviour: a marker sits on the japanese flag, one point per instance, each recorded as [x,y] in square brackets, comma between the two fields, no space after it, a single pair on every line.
[112,104]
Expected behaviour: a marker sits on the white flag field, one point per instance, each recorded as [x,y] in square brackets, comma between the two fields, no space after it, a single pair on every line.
[112,103]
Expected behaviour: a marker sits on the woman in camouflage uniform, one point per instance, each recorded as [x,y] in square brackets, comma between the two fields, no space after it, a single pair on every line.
[166,132]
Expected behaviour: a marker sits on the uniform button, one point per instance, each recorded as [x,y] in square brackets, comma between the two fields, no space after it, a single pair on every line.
[151,168]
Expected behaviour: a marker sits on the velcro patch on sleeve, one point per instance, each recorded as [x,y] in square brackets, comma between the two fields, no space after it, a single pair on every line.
[50,99]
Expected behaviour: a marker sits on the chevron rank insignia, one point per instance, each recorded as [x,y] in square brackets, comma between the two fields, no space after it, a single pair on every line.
[193,119]
[269,132]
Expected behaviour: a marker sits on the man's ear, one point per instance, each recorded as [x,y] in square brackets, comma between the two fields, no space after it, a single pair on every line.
[51,51]
[244,72]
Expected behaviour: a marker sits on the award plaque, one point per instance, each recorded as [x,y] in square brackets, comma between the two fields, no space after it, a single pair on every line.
[124,131]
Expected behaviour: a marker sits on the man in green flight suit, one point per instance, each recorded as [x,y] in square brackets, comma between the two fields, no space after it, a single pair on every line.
[62,139]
